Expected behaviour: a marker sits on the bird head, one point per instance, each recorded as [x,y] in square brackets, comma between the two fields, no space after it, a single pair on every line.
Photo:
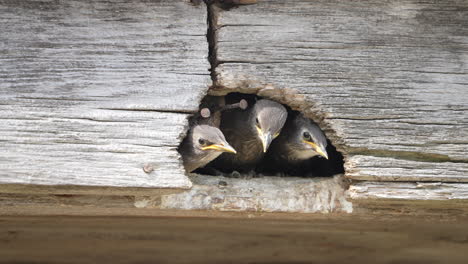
[309,138]
[209,138]
[269,119]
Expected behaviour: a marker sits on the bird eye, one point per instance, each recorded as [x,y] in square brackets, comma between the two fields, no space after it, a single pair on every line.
[202,141]
[257,122]
[306,136]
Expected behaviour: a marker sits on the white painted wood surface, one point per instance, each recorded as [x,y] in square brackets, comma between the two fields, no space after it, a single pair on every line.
[93,91]
[389,79]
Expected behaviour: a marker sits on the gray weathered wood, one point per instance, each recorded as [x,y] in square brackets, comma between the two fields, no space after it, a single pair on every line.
[265,194]
[91,92]
[408,190]
[367,167]
[388,81]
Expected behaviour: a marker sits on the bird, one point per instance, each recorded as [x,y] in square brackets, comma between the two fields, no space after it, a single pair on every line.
[250,132]
[202,145]
[300,140]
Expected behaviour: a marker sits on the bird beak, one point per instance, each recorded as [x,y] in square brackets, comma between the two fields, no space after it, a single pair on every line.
[221,147]
[321,151]
[266,140]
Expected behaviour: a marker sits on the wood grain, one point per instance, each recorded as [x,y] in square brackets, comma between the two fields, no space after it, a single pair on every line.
[409,191]
[387,81]
[313,239]
[93,91]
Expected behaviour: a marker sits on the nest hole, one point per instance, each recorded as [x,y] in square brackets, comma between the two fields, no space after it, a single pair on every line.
[314,167]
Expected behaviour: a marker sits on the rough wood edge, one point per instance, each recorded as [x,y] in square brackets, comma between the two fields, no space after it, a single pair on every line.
[84,190]
[265,194]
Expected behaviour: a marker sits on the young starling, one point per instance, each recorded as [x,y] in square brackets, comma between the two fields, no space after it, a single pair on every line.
[300,140]
[203,144]
[250,132]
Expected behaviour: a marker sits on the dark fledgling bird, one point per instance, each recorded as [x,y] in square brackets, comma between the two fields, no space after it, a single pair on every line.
[300,140]
[250,132]
[203,144]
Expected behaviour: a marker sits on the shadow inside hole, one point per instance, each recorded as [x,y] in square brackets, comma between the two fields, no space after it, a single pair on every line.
[313,167]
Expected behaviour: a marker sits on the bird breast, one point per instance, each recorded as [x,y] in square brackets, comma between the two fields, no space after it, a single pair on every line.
[299,154]
[208,157]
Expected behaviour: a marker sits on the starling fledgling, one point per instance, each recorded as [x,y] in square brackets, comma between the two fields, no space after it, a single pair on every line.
[203,144]
[250,132]
[300,140]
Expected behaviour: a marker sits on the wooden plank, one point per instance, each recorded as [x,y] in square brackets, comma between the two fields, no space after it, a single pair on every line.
[93,91]
[408,190]
[70,190]
[367,167]
[387,81]
[264,194]
[314,239]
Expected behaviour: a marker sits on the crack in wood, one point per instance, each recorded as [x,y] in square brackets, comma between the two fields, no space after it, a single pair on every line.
[56,99]
[180,111]
[95,120]
[253,62]
[247,25]
[212,38]
[367,118]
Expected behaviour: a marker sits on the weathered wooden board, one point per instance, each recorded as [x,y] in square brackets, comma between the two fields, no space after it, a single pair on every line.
[408,190]
[264,194]
[308,239]
[93,91]
[390,79]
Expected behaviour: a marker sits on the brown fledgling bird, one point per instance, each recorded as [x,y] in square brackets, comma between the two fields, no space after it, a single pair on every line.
[203,144]
[250,132]
[300,140]
[204,141]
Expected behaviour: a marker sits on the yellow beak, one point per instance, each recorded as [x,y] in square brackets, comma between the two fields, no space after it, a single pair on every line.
[221,147]
[319,150]
[265,138]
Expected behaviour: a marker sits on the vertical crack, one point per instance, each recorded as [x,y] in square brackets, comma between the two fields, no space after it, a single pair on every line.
[212,38]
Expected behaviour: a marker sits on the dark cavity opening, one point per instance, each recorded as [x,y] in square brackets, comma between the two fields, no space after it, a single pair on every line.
[221,107]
